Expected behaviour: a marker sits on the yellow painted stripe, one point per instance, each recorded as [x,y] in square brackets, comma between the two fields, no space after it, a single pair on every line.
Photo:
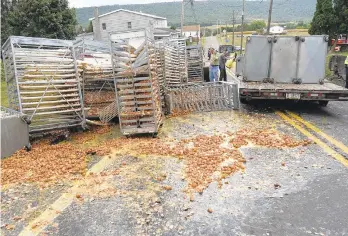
[335,142]
[324,146]
[47,217]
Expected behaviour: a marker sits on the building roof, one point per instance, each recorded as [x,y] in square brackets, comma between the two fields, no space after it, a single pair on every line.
[134,12]
[164,32]
[187,28]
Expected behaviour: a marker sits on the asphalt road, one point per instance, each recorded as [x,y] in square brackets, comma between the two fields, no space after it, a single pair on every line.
[282,191]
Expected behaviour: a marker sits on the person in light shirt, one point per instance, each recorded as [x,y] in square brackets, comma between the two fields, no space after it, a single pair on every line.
[214,66]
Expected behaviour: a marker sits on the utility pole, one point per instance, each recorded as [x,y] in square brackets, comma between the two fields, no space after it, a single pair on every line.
[233,22]
[182,16]
[226,32]
[241,38]
[269,16]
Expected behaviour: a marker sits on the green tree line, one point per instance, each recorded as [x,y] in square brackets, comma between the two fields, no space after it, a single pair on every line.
[37,18]
[330,17]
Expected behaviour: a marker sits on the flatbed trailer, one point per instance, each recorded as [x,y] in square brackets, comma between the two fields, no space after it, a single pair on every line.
[311,92]
[323,93]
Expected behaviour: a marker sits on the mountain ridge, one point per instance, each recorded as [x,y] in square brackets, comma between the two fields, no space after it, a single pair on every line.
[208,12]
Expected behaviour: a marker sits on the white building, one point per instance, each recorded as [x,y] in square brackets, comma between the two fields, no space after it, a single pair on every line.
[122,20]
[193,31]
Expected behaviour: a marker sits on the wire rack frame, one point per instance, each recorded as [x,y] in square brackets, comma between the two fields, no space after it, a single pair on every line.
[194,64]
[43,82]
[136,81]
[95,67]
[201,97]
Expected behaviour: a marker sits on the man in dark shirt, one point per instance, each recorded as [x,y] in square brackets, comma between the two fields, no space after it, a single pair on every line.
[222,63]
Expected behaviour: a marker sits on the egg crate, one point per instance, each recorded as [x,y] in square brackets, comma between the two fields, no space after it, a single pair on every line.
[201,97]
[94,64]
[137,85]
[194,64]
[43,82]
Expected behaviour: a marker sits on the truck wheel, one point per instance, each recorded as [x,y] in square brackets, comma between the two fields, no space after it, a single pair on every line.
[243,100]
[323,103]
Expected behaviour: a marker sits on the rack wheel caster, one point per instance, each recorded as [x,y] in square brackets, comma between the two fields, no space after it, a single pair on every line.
[154,135]
[28,147]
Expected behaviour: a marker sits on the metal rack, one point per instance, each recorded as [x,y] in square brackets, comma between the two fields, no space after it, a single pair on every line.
[160,53]
[199,97]
[95,67]
[194,64]
[175,63]
[137,86]
[43,82]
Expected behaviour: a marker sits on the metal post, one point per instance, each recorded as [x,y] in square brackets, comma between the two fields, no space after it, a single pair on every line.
[97,31]
[16,76]
[242,28]
[269,16]
[233,22]
[235,96]
[226,32]
[182,16]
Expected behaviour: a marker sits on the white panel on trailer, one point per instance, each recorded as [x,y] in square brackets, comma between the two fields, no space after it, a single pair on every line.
[312,59]
[258,49]
[284,59]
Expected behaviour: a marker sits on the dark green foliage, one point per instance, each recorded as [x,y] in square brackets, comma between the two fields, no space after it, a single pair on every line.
[208,12]
[256,25]
[330,17]
[43,18]
[6,7]
[324,19]
[90,27]
[341,10]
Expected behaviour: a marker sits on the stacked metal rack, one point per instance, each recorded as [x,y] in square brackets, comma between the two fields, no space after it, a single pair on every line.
[194,64]
[160,55]
[94,63]
[175,62]
[198,97]
[43,82]
[137,86]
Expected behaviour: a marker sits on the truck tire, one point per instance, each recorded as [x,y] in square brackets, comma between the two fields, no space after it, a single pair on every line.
[243,100]
[323,103]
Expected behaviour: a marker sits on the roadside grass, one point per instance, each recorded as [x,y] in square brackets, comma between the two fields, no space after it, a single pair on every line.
[327,70]
[4,101]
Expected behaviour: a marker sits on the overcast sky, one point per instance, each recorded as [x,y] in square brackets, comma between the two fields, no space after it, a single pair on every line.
[90,3]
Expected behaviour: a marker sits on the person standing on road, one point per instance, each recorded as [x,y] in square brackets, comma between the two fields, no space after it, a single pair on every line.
[214,66]
[346,65]
[222,63]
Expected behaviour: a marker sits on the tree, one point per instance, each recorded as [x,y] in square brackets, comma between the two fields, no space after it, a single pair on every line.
[6,7]
[257,25]
[324,19]
[173,27]
[43,18]
[89,27]
[341,10]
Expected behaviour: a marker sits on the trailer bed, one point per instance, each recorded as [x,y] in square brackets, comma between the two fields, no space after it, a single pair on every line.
[327,91]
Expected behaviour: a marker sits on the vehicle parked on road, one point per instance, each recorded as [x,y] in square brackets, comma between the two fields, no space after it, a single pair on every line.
[286,68]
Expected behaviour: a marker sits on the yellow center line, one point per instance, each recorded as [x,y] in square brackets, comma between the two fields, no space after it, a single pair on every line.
[324,146]
[335,142]
[36,226]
